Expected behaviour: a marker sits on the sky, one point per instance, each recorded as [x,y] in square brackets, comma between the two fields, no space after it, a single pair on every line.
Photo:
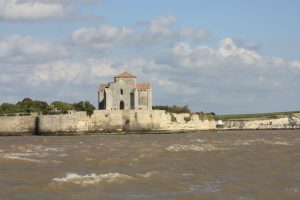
[215,56]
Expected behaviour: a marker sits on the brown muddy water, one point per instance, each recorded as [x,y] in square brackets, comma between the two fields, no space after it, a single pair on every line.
[242,165]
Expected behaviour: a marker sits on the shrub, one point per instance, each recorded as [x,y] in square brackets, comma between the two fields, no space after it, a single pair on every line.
[187,119]
[208,116]
[173,118]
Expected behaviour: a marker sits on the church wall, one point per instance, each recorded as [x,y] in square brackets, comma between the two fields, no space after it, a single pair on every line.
[109,99]
[101,100]
[149,99]
[127,88]
[129,81]
[144,103]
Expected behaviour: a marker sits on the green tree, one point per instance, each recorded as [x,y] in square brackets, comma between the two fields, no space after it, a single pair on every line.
[85,106]
[28,105]
[63,106]
[6,108]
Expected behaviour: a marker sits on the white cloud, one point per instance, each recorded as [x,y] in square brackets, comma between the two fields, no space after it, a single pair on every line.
[295,64]
[101,38]
[65,70]
[162,26]
[228,53]
[159,31]
[17,48]
[102,67]
[14,10]
[71,71]
[201,34]
[31,10]
[181,49]
[186,31]
[228,48]
[191,33]
[5,78]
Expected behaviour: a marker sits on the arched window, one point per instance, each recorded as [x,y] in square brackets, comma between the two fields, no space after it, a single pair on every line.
[121,91]
[122,106]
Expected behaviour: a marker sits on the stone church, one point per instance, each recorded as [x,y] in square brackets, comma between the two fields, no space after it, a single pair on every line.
[124,93]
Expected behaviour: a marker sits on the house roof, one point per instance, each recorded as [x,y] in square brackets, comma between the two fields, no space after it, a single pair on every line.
[125,75]
[143,86]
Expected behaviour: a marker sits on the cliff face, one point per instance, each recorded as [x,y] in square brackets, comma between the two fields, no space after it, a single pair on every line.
[104,121]
[279,123]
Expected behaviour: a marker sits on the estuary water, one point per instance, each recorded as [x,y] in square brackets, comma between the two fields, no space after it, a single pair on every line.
[241,165]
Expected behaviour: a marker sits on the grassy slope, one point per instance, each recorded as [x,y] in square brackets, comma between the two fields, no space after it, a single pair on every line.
[256,115]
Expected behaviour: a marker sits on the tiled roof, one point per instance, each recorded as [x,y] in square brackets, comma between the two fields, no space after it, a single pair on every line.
[143,86]
[103,86]
[125,75]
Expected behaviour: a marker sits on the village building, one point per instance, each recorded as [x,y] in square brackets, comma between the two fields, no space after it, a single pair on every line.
[124,93]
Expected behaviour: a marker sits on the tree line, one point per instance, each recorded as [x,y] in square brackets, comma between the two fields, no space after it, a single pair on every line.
[28,106]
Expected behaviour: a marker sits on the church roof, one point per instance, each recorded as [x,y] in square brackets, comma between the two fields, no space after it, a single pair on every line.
[143,86]
[103,86]
[125,75]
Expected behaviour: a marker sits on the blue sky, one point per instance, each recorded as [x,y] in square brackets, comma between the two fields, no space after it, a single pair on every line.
[221,56]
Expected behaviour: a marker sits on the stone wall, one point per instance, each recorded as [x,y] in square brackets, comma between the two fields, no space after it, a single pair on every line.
[17,125]
[119,121]
[104,121]
[79,122]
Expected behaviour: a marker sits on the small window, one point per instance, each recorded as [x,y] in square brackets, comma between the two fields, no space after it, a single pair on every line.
[121,91]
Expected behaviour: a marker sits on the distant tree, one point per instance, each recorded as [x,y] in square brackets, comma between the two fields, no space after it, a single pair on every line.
[89,108]
[63,106]
[28,105]
[85,106]
[79,106]
[40,105]
[6,108]
[173,109]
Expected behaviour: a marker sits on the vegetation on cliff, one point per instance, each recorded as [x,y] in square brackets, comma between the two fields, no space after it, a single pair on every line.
[173,109]
[28,106]
[274,115]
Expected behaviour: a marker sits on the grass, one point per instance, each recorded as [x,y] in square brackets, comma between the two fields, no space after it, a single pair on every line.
[255,115]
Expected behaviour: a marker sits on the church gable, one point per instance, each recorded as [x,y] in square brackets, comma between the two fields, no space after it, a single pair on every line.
[125,75]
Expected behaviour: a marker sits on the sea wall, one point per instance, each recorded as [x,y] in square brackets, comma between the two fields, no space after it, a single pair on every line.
[17,125]
[104,121]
